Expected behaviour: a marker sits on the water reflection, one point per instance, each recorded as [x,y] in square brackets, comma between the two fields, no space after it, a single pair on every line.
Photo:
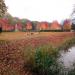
[68,57]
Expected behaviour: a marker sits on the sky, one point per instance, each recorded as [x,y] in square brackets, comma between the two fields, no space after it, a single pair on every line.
[41,10]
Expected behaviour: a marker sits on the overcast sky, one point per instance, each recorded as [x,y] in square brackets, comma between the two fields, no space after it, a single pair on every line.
[41,10]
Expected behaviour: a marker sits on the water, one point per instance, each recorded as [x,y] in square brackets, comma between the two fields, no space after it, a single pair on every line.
[68,57]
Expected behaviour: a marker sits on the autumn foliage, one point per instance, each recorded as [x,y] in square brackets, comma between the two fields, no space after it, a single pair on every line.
[55,26]
[67,25]
[28,25]
[44,26]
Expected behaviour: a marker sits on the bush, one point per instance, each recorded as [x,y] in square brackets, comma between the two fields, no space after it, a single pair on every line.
[46,61]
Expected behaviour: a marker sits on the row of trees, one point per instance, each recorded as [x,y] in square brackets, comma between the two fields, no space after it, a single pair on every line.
[25,24]
[30,25]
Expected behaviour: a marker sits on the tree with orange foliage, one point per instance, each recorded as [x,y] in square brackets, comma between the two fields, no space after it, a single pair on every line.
[67,25]
[55,26]
[44,26]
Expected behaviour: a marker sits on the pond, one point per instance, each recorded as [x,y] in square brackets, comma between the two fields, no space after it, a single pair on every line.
[68,57]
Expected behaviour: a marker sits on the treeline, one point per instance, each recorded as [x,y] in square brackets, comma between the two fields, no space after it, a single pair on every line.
[9,23]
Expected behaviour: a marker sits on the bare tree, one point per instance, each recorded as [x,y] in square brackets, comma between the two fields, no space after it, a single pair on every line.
[72,16]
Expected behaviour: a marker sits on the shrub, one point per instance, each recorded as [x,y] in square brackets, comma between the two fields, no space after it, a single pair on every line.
[46,61]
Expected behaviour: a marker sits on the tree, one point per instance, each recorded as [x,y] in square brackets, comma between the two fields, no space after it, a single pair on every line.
[72,17]
[73,26]
[24,21]
[44,26]
[9,17]
[29,26]
[3,8]
[16,20]
[67,25]
[55,26]
[34,25]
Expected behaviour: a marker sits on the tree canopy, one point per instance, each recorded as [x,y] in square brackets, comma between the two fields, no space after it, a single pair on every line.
[3,8]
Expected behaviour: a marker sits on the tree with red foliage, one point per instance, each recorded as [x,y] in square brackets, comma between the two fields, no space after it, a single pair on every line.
[29,26]
[44,26]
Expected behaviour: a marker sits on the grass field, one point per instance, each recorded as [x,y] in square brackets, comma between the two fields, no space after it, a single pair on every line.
[24,35]
[55,38]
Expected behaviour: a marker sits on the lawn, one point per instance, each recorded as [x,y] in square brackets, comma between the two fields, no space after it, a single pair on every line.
[24,35]
[55,38]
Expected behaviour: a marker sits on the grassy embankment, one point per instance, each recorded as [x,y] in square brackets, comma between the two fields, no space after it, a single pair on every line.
[21,50]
